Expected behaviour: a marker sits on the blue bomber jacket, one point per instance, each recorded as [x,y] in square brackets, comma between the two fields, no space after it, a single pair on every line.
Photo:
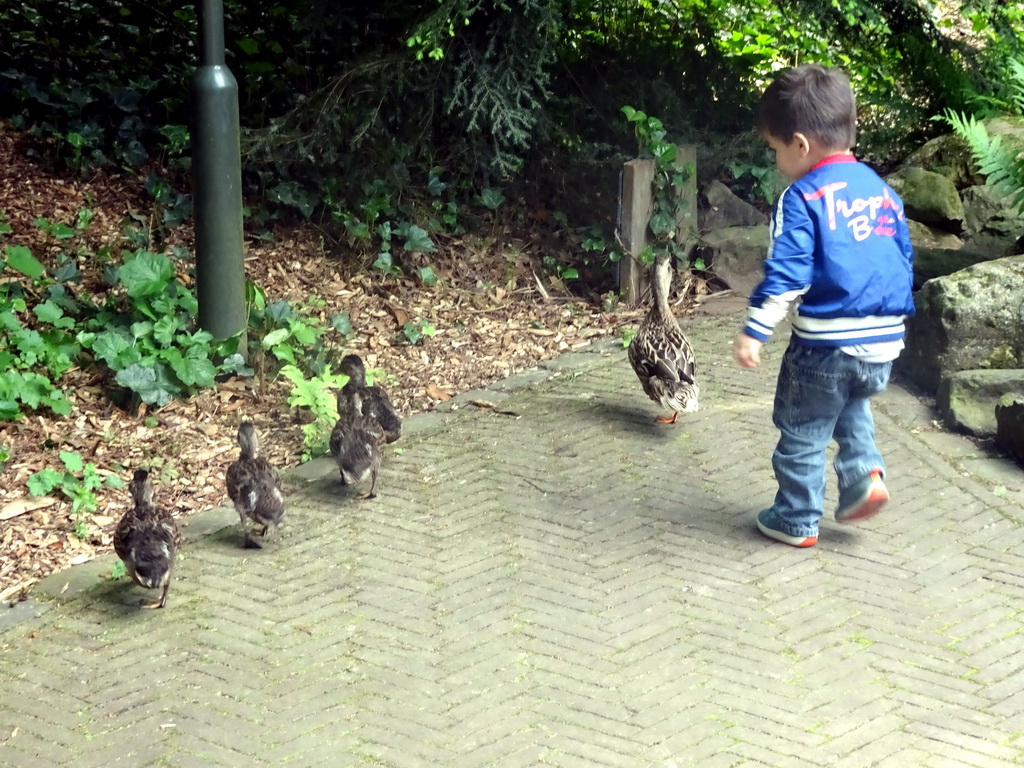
[841,250]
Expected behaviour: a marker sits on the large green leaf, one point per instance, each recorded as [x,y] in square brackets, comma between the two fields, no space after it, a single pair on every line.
[165,328]
[146,274]
[48,312]
[192,371]
[72,461]
[115,349]
[146,383]
[41,483]
[20,259]
[416,239]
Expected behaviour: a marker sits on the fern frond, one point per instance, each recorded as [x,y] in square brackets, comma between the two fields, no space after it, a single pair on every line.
[1000,165]
[1016,83]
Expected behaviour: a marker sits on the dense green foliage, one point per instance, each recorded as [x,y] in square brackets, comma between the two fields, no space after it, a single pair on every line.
[343,103]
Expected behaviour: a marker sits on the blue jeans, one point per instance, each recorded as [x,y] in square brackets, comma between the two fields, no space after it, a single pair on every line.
[822,394]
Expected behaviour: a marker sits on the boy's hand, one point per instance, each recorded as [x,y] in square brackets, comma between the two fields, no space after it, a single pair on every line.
[746,350]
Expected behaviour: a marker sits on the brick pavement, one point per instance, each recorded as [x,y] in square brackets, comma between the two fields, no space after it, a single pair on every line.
[557,582]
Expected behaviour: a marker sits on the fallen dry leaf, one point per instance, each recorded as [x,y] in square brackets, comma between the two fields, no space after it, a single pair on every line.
[436,393]
[24,505]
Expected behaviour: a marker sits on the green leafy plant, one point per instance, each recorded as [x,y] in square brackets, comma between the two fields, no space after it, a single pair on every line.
[148,338]
[764,180]
[415,332]
[295,335]
[318,396]
[554,266]
[1001,165]
[31,358]
[77,482]
[669,178]
[118,571]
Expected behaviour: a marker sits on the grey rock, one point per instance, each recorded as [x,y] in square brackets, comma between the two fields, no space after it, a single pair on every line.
[966,320]
[949,156]
[993,222]
[967,399]
[725,209]
[929,198]
[736,255]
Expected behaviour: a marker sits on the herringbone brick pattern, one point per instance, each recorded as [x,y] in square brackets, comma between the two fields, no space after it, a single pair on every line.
[565,585]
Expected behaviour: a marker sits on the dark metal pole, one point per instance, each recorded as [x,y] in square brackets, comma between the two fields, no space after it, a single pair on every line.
[217,182]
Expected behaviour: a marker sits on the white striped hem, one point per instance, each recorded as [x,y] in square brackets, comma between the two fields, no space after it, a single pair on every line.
[839,328]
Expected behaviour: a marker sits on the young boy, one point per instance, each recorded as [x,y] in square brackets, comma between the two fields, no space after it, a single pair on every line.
[840,251]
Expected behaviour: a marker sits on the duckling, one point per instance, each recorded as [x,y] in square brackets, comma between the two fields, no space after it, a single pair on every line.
[254,487]
[356,442]
[147,539]
[375,402]
[661,354]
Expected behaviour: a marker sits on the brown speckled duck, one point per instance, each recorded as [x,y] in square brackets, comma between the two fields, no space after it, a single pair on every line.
[147,539]
[356,442]
[661,354]
[374,402]
[254,487]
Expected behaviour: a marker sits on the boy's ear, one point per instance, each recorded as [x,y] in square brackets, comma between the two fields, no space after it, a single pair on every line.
[803,143]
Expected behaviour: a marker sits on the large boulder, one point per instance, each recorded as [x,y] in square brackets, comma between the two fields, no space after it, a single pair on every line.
[736,255]
[966,320]
[993,222]
[929,198]
[723,208]
[949,156]
[967,400]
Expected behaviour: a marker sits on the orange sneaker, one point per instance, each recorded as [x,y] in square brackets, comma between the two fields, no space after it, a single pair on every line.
[862,500]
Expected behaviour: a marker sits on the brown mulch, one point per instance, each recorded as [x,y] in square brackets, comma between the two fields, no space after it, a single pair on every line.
[494,310]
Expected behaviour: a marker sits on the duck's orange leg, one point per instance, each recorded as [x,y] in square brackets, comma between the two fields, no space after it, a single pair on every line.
[667,419]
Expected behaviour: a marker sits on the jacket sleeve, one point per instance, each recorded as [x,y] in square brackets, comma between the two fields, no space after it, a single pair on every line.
[787,270]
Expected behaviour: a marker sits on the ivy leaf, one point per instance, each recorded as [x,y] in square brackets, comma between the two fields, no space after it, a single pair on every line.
[20,259]
[342,323]
[492,197]
[418,240]
[662,223]
[275,337]
[304,334]
[427,276]
[147,274]
[279,311]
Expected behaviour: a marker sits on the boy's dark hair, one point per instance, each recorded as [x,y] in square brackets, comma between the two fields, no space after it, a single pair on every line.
[813,100]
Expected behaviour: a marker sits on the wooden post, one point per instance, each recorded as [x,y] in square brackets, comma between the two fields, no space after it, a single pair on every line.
[636,205]
[636,202]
